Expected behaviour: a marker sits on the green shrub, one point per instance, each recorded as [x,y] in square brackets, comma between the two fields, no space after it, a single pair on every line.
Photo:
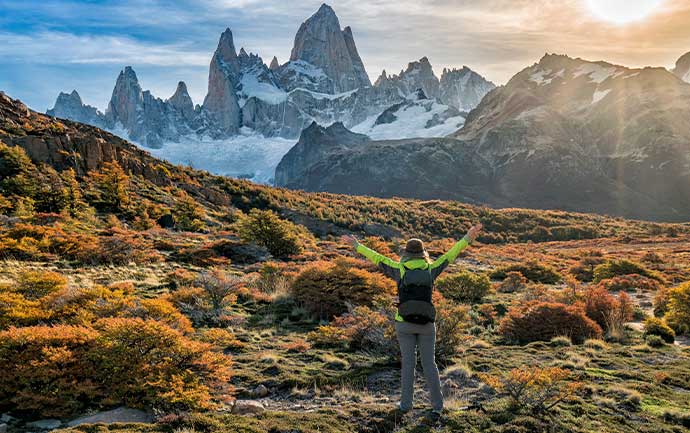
[615,268]
[533,271]
[655,326]
[280,237]
[188,214]
[464,286]
[654,341]
[678,314]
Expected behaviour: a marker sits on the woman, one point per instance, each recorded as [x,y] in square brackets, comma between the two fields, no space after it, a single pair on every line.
[415,274]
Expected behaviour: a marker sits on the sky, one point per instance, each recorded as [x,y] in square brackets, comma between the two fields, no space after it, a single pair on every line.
[48,46]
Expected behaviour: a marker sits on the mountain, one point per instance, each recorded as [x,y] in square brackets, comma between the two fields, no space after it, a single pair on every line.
[70,106]
[321,43]
[324,81]
[682,69]
[563,133]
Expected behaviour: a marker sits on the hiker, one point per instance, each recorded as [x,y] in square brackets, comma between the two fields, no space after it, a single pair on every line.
[415,274]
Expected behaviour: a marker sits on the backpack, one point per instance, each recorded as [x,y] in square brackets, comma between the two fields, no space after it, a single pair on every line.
[414,295]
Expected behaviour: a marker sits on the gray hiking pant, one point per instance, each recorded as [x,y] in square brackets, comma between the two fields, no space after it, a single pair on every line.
[411,336]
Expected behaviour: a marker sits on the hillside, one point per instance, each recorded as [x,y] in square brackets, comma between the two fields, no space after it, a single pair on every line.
[128,282]
[561,134]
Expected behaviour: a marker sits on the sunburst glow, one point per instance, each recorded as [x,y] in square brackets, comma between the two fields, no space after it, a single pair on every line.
[623,11]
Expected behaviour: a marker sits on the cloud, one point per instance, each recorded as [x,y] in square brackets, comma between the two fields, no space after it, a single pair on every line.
[65,48]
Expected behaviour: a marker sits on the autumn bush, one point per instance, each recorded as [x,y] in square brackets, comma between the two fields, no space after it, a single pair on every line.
[532,270]
[584,269]
[601,305]
[327,288]
[282,238]
[656,326]
[464,286]
[615,268]
[451,320]
[16,310]
[630,283]
[535,390]
[37,284]
[513,282]
[678,314]
[188,214]
[366,329]
[61,370]
[542,321]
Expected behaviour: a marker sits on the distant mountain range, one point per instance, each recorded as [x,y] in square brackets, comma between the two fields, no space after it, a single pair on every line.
[563,133]
[324,81]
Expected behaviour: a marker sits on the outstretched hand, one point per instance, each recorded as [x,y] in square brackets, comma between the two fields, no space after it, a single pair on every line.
[474,231]
[349,239]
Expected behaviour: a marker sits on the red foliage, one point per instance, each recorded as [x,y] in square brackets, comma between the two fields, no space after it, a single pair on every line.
[541,321]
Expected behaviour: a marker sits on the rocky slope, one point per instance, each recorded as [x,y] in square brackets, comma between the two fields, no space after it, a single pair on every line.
[324,81]
[564,133]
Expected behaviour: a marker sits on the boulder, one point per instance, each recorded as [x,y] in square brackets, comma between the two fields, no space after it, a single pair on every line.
[120,414]
[247,407]
[44,424]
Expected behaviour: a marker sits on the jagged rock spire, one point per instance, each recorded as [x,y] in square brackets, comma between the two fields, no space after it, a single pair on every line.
[274,64]
[321,42]
[221,100]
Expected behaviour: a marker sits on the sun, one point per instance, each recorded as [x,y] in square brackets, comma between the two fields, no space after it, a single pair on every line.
[623,11]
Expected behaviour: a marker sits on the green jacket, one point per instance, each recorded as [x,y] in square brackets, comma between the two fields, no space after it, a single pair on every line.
[396,270]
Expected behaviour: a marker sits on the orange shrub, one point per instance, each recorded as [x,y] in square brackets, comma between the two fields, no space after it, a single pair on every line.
[513,282]
[326,288]
[144,362]
[47,371]
[16,310]
[533,389]
[541,321]
[598,304]
[630,282]
[36,284]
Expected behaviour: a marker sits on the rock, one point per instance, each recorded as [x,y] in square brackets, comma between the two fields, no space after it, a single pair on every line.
[3,428]
[126,100]
[7,418]
[247,407]
[274,64]
[120,414]
[221,102]
[182,102]
[260,391]
[320,42]
[44,424]
[463,88]
[70,106]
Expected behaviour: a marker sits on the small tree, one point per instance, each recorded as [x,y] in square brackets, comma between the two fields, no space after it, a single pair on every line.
[464,286]
[112,187]
[678,314]
[189,216]
[74,199]
[280,237]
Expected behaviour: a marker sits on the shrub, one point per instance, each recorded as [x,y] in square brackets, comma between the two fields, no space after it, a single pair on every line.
[189,215]
[326,288]
[678,314]
[599,303]
[533,389]
[513,282]
[584,269]
[542,321]
[144,362]
[16,310]
[630,283]
[48,371]
[661,302]
[533,271]
[195,304]
[363,328]
[561,341]
[654,341]
[615,268]
[37,284]
[220,287]
[280,237]
[616,318]
[464,286]
[451,319]
[655,326]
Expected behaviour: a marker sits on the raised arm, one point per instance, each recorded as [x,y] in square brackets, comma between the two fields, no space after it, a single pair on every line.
[442,262]
[370,254]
